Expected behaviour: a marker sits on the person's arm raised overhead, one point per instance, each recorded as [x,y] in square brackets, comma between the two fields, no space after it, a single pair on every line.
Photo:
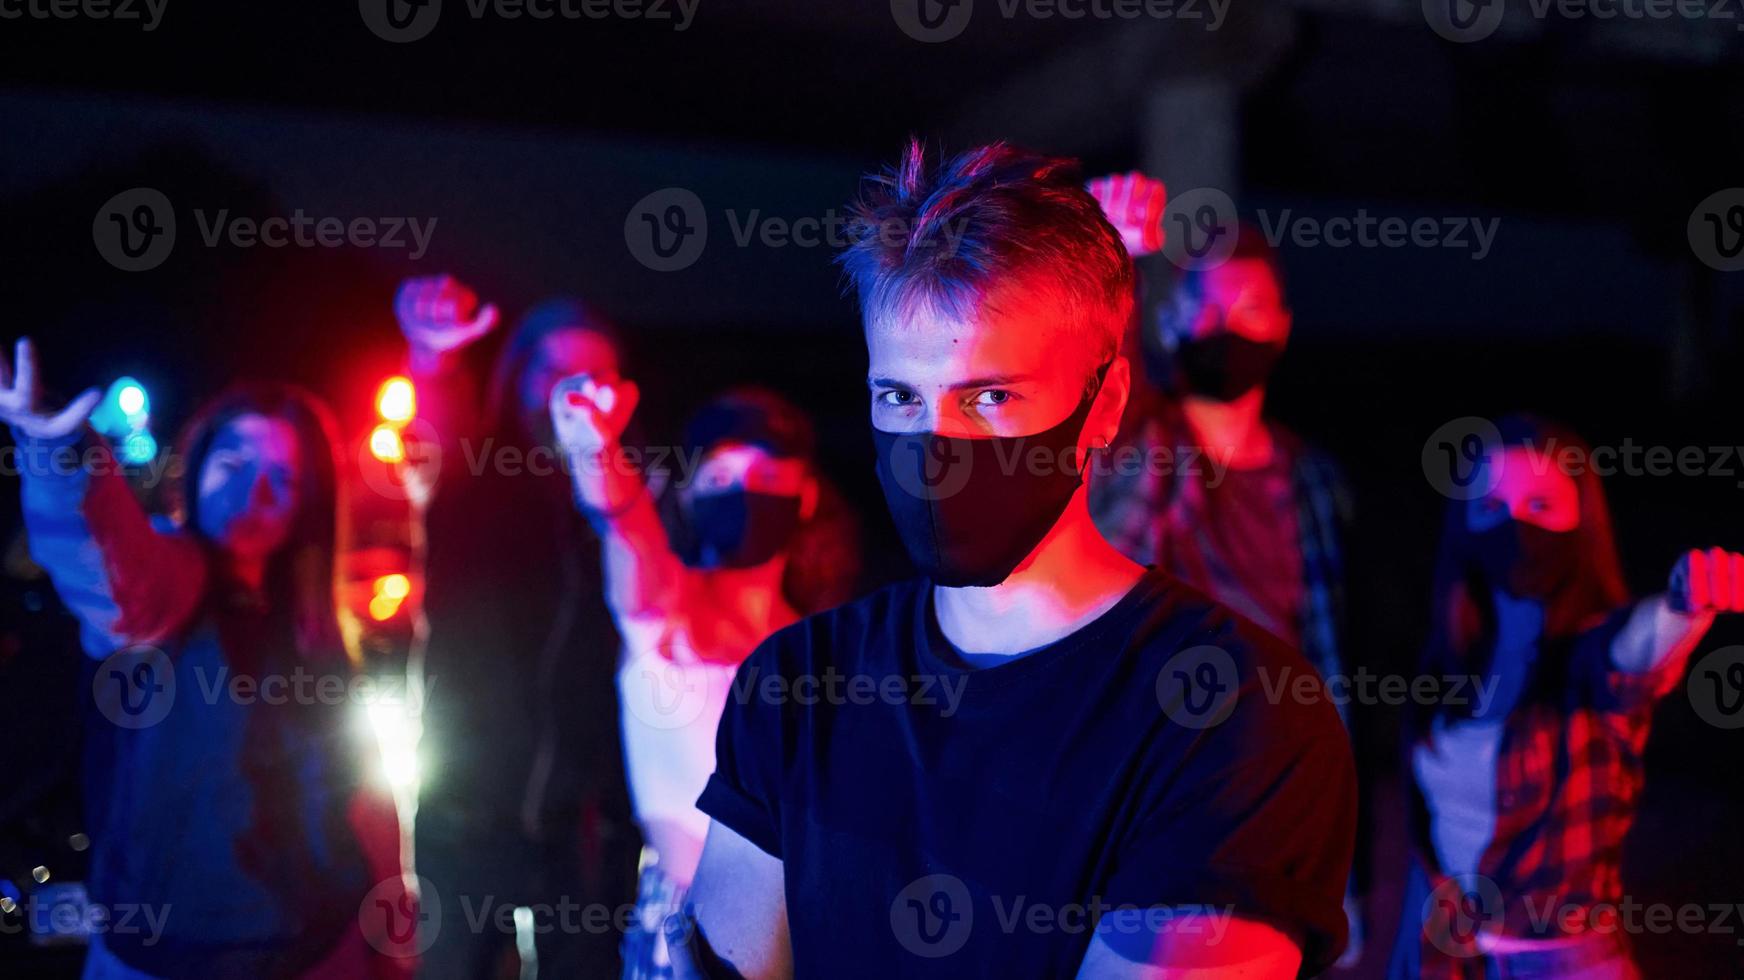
[440,318]
[589,416]
[125,581]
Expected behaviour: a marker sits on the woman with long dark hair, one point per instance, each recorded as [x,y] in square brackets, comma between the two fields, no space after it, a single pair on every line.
[222,796]
[1525,784]
[522,799]
[760,540]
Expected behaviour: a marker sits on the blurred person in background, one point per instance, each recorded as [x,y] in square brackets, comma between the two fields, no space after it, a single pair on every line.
[241,820]
[522,797]
[762,540]
[1244,509]
[1522,793]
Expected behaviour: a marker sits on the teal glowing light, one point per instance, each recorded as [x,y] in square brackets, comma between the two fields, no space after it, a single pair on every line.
[138,449]
[125,409]
[131,400]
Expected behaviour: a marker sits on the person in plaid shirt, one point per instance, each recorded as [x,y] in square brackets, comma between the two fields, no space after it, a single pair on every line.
[1524,792]
[1199,482]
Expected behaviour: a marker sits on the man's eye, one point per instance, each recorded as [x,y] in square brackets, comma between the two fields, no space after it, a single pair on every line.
[992,396]
[896,397]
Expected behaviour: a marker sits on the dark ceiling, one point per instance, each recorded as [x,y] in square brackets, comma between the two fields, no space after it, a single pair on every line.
[1561,120]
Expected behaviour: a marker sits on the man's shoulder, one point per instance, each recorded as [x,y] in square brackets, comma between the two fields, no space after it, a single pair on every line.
[1216,669]
[849,634]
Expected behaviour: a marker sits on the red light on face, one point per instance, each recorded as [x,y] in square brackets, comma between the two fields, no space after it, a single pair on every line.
[577,399]
[397,401]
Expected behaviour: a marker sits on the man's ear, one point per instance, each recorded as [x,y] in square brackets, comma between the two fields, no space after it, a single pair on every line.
[1104,422]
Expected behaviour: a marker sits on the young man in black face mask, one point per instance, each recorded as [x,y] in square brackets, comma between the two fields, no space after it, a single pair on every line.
[1242,508]
[1238,489]
[1039,759]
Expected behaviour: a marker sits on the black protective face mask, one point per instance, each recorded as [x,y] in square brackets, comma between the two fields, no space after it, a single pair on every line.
[1525,560]
[970,510]
[741,528]
[1225,365]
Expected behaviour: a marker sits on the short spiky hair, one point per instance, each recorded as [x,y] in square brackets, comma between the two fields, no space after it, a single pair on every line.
[983,225]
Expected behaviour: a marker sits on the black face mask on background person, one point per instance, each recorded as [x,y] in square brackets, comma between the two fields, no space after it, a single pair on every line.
[1224,365]
[741,528]
[1524,560]
[970,510]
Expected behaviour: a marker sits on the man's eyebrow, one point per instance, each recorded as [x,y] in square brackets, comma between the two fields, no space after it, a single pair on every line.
[986,381]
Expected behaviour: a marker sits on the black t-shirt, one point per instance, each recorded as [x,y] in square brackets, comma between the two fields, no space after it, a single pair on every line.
[936,820]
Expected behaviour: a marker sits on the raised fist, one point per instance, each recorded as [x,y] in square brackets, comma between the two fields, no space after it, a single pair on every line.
[21,400]
[439,314]
[1134,205]
[1707,580]
[588,415]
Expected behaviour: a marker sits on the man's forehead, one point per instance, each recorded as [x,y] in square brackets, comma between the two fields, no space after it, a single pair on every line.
[943,350]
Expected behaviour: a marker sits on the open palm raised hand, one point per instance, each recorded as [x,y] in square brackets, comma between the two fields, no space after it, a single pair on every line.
[21,399]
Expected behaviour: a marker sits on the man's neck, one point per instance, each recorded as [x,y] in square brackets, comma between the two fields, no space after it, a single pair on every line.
[1071,578]
[1232,428]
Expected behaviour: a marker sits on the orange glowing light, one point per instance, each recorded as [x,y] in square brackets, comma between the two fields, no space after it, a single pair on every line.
[386,445]
[397,400]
